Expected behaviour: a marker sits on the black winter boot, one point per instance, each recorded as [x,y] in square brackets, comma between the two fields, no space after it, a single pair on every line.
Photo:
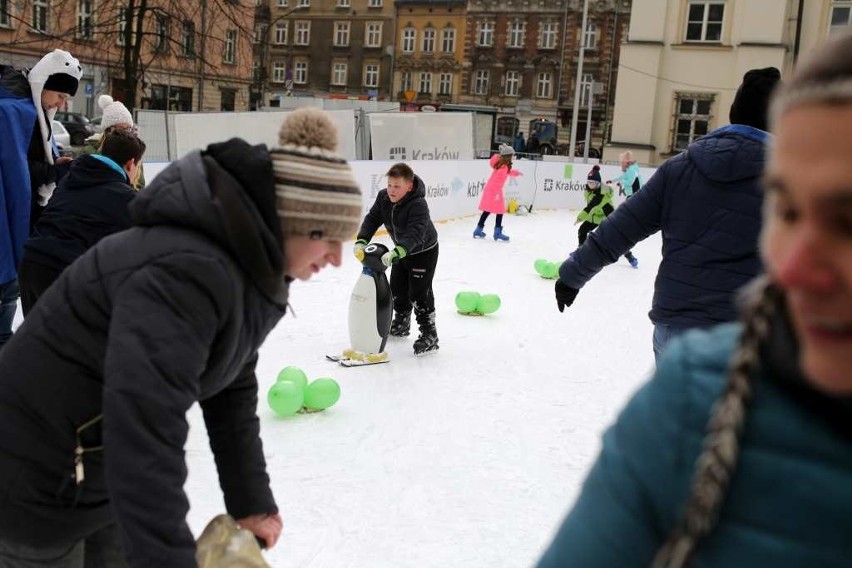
[428,340]
[401,324]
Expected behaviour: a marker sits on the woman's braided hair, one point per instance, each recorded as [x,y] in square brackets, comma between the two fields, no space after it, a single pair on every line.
[826,78]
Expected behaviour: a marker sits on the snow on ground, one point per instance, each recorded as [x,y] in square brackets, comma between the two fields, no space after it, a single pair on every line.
[466,458]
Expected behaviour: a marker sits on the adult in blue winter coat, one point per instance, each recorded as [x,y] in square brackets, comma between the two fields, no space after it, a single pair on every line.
[707,202]
[738,452]
[28,101]
[89,204]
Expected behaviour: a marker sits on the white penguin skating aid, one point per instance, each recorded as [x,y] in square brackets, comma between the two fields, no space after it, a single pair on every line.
[370,312]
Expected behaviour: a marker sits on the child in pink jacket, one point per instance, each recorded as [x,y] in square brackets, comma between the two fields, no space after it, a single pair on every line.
[492,196]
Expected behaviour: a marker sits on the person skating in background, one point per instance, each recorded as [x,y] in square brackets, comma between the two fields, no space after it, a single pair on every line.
[96,383]
[599,199]
[492,200]
[707,203]
[629,181]
[403,210]
[114,115]
[28,103]
[90,203]
[769,485]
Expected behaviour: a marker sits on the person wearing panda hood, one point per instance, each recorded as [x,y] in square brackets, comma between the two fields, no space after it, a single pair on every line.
[29,100]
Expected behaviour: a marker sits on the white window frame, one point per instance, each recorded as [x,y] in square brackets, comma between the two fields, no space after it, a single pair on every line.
[693,117]
[122,24]
[281,33]
[705,23]
[409,39]
[372,34]
[425,83]
[547,33]
[591,35]
[304,3]
[229,53]
[405,81]
[445,84]
[481,81]
[512,80]
[339,73]
[834,14]
[302,33]
[448,39]
[374,4]
[85,19]
[343,3]
[187,38]
[586,83]
[40,14]
[544,85]
[485,34]
[517,33]
[371,75]
[342,33]
[300,72]
[280,3]
[430,34]
[279,72]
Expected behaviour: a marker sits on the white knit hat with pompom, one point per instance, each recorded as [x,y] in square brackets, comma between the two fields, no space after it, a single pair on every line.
[317,195]
[114,112]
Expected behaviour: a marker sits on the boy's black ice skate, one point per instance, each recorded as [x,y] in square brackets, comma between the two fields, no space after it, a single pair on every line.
[401,325]
[426,343]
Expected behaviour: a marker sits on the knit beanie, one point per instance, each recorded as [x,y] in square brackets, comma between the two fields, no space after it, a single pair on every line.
[751,103]
[317,195]
[595,174]
[506,150]
[114,112]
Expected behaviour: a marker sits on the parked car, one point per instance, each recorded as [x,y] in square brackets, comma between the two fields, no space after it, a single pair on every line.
[77,125]
[61,136]
[96,123]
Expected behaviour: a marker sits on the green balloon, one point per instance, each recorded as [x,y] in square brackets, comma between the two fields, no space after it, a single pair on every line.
[539,265]
[322,393]
[551,270]
[488,304]
[294,375]
[466,301]
[285,398]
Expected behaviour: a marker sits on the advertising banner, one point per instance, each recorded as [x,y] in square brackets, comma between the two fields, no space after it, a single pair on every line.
[408,136]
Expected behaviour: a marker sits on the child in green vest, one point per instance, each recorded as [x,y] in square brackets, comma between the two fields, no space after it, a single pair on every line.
[598,207]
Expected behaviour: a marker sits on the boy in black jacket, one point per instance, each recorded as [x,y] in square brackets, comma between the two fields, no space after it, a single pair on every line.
[89,204]
[403,210]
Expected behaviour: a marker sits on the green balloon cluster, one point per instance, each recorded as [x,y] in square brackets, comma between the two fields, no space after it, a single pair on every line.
[291,393]
[546,269]
[472,303]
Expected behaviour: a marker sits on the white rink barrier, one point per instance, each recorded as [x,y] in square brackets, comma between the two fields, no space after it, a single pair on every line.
[453,189]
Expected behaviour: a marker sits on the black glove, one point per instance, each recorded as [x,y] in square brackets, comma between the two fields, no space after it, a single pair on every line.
[564,295]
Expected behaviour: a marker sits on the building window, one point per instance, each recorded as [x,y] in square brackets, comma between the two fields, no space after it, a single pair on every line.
[448,40]
[513,83]
[281,32]
[425,83]
[429,35]
[371,75]
[228,100]
[547,35]
[304,3]
[544,88]
[840,18]
[480,82]
[255,71]
[591,35]
[405,81]
[300,77]
[373,34]
[445,84]
[704,21]
[485,36]
[5,20]
[187,39]
[303,32]
[342,3]
[279,72]
[339,71]
[85,29]
[280,3]
[122,25]
[692,119]
[161,33]
[409,37]
[516,34]
[341,34]
[374,4]
[230,54]
[507,126]
[40,8]
[585,88]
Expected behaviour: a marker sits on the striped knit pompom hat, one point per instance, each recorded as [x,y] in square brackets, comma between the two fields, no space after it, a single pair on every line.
[316,194]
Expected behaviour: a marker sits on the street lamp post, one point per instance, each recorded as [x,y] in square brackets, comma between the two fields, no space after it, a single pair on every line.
[576,111]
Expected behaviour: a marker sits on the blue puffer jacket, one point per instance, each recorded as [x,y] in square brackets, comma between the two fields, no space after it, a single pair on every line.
[707,201]
[788,502]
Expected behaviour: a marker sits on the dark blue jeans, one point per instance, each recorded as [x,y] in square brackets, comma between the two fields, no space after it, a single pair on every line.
[9,293]
[101,549]
[662,335]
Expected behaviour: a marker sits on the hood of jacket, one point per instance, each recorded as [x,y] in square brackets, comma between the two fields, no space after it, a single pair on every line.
[220,193]
[418,189]
[730,154]
[89,171]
